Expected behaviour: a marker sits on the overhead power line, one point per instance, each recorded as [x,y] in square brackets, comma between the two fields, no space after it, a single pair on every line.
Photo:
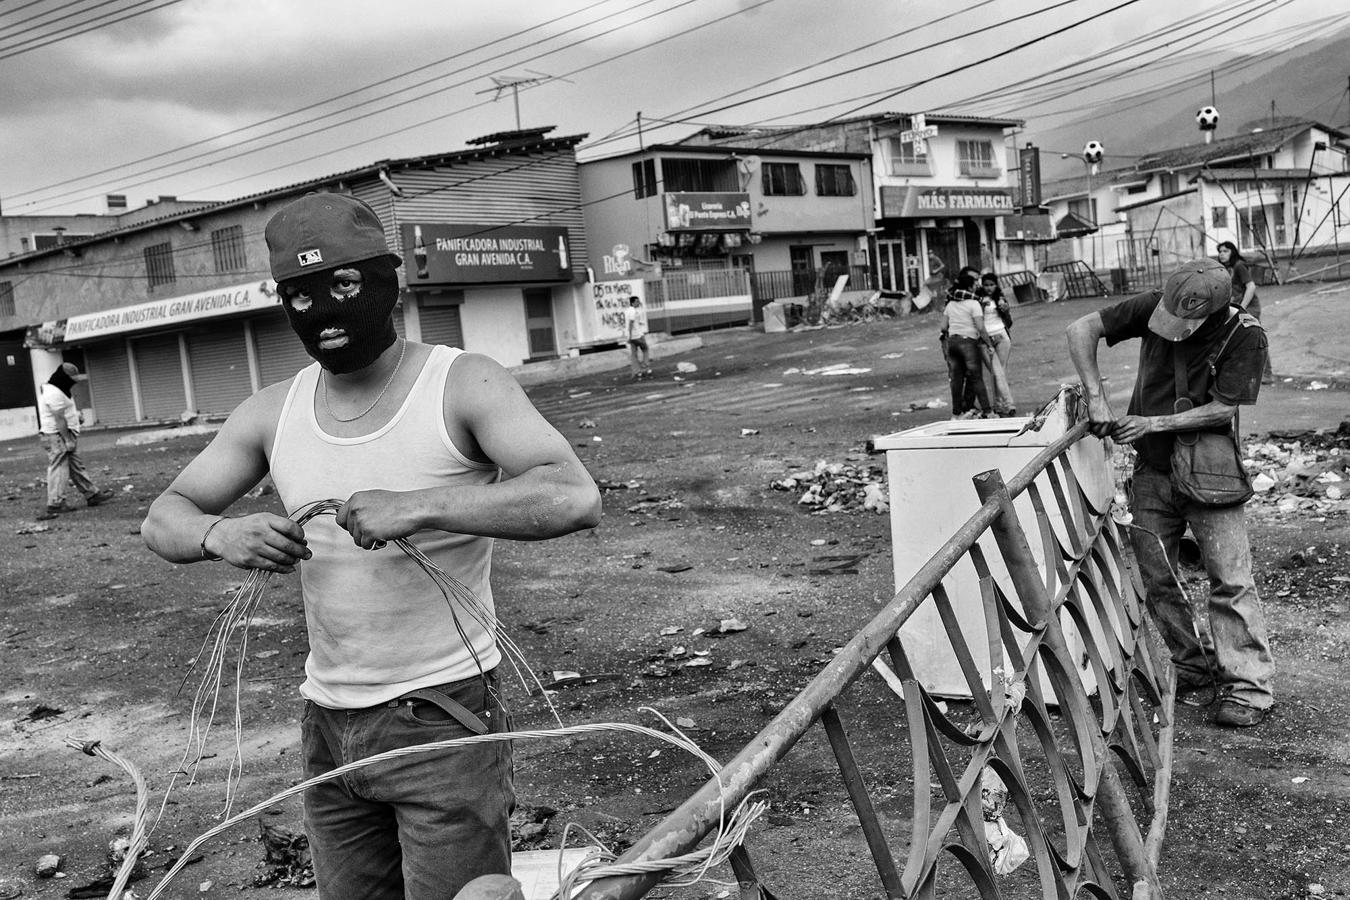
[77,29]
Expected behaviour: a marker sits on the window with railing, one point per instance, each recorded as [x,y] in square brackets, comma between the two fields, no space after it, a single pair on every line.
[834,181]
[644,178]
[975,159]
[705,175]
[783,180]
[159,264]
[906,159]
[6,298]
[227,247]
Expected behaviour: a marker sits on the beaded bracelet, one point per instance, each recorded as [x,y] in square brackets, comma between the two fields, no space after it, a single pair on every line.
[207,554]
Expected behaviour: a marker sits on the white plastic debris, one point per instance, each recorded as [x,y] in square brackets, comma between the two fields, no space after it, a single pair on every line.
[1007,848]
[685,367]
[1262,482]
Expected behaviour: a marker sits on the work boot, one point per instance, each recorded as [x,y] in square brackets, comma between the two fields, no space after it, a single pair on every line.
[53,511]
[1233,713]
[98,497]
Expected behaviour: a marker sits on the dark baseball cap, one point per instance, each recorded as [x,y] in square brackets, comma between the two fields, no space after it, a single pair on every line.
[322,231]
[1194,292]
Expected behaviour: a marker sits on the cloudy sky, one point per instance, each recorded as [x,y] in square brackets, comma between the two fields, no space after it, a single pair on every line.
[213,99]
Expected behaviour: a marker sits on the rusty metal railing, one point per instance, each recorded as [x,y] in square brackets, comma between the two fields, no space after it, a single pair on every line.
[1070,619]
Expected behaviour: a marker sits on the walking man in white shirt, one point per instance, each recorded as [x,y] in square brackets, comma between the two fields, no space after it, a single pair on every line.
[59,429]
[635,324]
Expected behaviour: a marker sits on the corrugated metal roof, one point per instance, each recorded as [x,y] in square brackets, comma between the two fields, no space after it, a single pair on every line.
[1238,147]
[369,170]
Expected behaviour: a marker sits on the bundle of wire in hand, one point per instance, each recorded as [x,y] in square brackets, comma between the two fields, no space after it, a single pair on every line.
[232,624]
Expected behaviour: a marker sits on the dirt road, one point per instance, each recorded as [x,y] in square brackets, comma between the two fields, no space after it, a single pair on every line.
[97,635]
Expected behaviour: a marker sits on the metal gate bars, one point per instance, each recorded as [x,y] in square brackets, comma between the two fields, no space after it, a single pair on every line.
[1064,628]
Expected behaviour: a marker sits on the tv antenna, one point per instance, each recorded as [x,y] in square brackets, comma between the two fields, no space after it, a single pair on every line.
[513,84]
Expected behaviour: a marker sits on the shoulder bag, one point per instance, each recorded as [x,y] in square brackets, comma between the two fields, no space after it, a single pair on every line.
[1206,465]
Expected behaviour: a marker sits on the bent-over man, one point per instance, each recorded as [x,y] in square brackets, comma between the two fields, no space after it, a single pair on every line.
[1221,351]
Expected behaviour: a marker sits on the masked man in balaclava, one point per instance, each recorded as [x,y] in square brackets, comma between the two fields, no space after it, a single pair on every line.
[59,429]
[418,441]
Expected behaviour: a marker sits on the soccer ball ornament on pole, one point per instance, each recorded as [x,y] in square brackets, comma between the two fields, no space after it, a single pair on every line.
[1208,120]
[1093,153]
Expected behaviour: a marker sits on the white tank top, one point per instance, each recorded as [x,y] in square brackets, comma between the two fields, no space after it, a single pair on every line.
[378,625]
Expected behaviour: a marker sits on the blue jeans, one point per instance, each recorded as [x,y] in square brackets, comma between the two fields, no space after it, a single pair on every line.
[965,366]
[1235,648]
[420,826]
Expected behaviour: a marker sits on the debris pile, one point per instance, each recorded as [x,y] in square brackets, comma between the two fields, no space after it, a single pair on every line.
[838,487]
[287,860]
[1301,471]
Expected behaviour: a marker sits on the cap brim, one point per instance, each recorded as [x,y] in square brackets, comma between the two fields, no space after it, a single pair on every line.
[1171,327]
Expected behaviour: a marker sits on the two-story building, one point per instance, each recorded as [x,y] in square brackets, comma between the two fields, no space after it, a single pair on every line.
[715,225]
[943,186]
[178,314]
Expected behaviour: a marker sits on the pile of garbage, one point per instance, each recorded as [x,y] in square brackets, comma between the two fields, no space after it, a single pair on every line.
[1301,471]
[833,487]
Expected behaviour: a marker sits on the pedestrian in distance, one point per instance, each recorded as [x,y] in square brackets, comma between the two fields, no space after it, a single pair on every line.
[1244,291]
[968,397]
[59,431]
[635,332]
[1200,358]
[966,336]
[997,322]
[422,442]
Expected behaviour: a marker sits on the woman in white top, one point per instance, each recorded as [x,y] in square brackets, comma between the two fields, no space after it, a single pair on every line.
[965,335]
[999,346]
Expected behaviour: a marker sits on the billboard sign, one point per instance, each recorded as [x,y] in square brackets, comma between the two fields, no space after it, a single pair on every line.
[440,254]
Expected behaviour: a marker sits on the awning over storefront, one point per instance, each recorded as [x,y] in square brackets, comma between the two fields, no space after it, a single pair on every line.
[1073,225]
[927,201]
[155,314]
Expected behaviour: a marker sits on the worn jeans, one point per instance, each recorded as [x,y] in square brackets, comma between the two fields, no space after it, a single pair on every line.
[64,467]
[995,356]
[419,826]
[964,366]
[1235,648]
[639,355]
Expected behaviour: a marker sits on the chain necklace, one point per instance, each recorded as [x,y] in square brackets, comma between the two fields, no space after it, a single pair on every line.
[378,397]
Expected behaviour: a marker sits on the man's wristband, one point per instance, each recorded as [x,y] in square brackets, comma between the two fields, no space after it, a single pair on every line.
[207,554]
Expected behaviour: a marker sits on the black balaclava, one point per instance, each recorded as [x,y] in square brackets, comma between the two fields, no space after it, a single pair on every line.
[62,380]
[363,312]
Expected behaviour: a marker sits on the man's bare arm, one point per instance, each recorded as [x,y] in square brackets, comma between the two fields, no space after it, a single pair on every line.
[1131,428]
[179,519]
[545,491]
[1085,335]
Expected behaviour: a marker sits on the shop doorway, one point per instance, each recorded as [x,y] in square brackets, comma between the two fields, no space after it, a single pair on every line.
[539,323]
[802,263]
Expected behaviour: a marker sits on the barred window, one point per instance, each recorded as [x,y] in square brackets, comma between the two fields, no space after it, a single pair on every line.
[975,159]
[227,246]
[783,180]
[6,298]
[834,181]
[159,264]
[699,175]
[644,178]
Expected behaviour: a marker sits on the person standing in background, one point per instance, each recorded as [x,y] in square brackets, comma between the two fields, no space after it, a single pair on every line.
[995,353]
[59,430]
[635,332]
[1244,291]
[965,336]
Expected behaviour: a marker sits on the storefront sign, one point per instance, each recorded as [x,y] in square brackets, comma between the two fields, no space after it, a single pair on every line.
[1029,176]
[921,200]
[485,254]
[687,211]
[919,134]
[155,314]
